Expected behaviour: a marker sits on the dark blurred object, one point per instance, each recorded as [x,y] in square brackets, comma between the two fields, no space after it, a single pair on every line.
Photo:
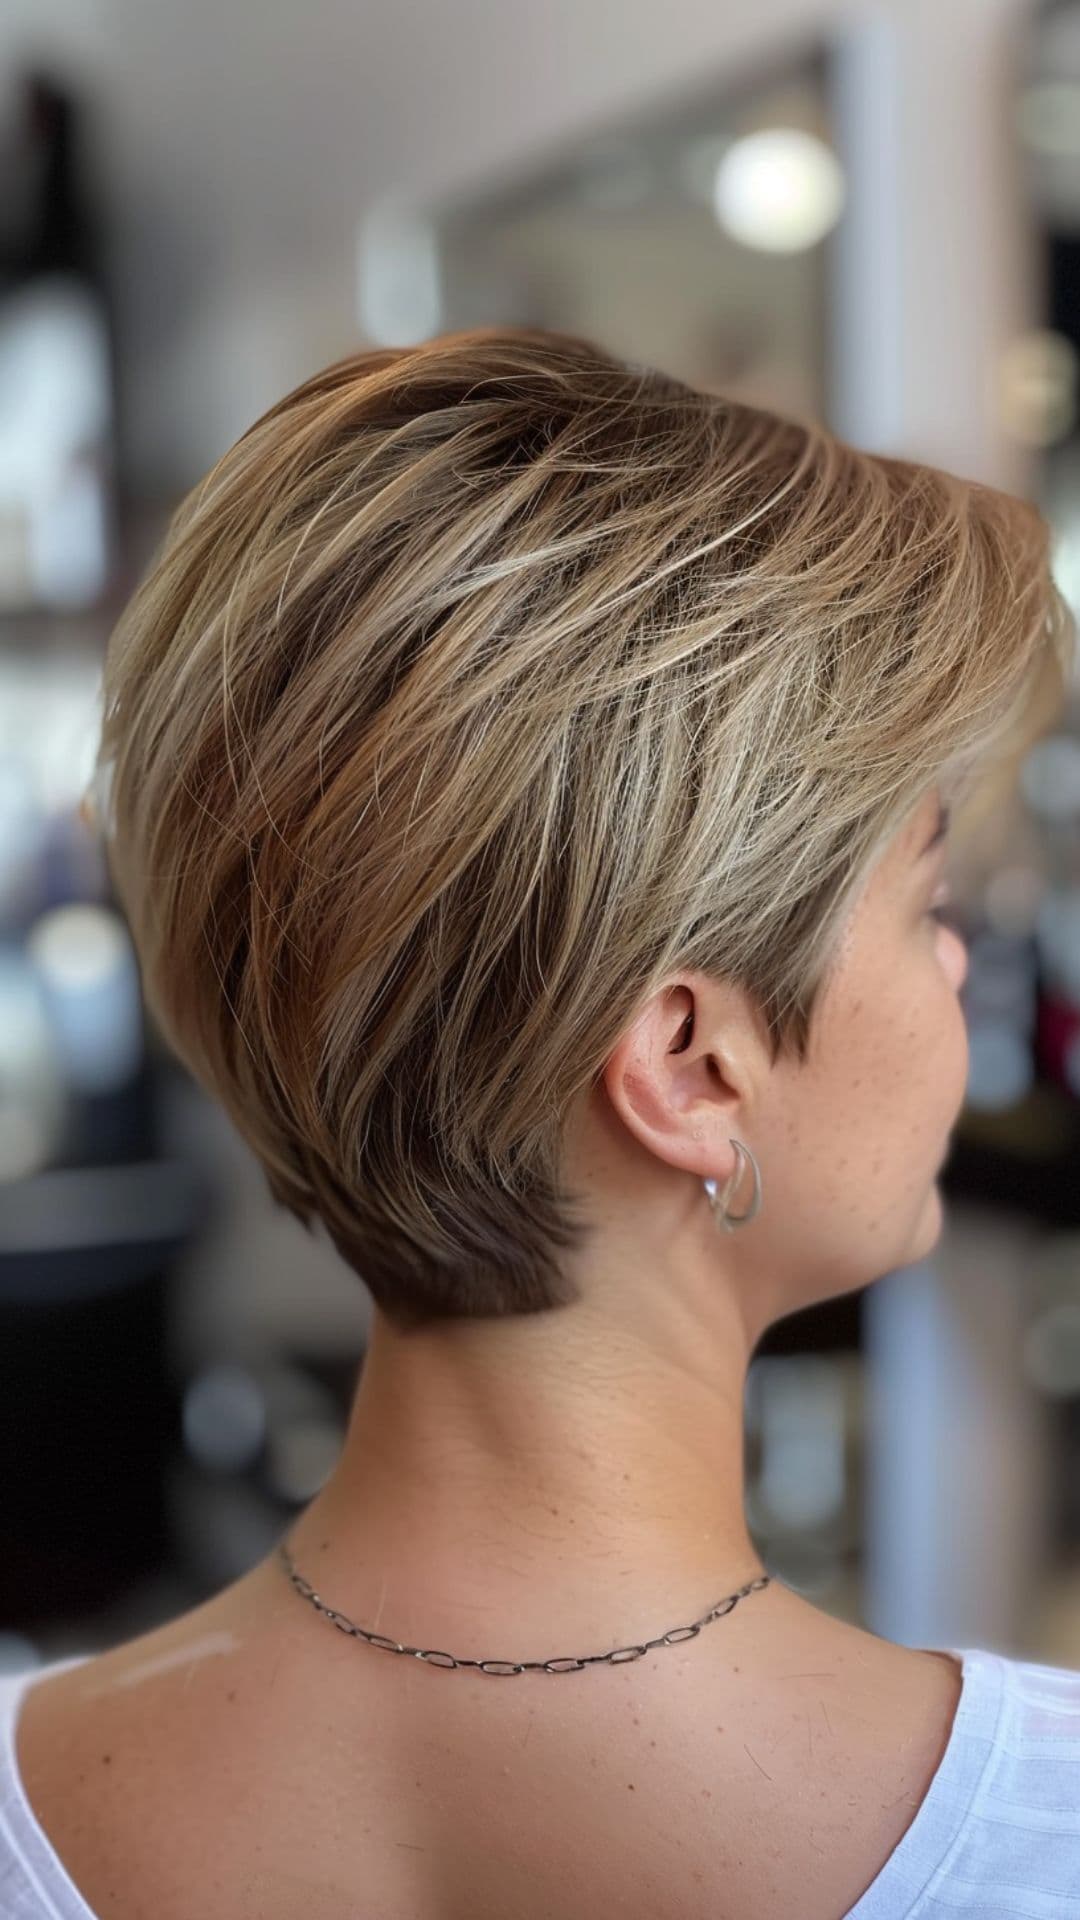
[89,1408]
[47,222]
[57,362]
[1023,1159]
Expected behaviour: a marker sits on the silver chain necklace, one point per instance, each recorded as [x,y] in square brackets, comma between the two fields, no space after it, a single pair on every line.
[570,1664]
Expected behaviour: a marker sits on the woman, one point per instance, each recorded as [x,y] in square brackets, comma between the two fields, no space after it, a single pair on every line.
[527,789]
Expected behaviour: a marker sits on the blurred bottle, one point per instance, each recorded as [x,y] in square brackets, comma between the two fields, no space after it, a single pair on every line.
[34,1099]
[85,963]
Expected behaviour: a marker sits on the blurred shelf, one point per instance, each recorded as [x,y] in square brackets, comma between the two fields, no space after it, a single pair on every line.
[74,1232]
[1025,1159]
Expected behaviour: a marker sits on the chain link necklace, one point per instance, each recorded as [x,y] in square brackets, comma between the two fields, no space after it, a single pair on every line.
[569,1664]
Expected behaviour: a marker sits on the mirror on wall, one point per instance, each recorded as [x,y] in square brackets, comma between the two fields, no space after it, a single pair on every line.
[695,239]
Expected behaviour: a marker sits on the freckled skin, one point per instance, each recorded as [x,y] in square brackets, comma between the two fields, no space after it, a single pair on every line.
[854,1139]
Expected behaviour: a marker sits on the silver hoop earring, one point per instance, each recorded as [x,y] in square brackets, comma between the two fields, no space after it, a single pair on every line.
[718,1202]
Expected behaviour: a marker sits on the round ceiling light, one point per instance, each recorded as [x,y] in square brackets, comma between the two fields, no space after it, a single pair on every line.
[780,190]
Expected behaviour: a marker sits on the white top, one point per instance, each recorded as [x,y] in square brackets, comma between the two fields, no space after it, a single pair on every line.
[997,1835]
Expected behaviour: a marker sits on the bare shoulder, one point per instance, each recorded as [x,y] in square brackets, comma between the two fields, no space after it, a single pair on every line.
[65,1766]
[123,1757]
[210,1768]
[851,1732]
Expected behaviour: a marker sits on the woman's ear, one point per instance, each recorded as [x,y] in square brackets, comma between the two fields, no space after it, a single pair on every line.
[680,1077]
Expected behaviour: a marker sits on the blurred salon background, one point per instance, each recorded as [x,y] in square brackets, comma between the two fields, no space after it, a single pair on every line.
[871,213]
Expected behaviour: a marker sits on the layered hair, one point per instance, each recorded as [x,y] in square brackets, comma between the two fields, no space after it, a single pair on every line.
[479,687]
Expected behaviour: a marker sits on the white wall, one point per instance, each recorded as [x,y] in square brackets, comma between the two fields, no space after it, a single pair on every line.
[244,138]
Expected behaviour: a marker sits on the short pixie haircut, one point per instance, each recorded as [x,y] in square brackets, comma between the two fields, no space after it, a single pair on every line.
[478,687]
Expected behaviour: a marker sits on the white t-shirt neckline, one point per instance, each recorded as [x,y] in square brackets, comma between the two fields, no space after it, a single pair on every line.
[21,1835]
[924,1850]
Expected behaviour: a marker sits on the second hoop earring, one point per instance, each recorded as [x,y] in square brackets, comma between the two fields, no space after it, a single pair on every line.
[719,1201]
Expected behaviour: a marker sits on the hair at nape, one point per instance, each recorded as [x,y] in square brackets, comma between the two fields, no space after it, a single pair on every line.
[476,688]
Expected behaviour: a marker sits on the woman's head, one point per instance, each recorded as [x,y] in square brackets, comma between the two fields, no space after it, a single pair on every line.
[485,697]
[849,1132]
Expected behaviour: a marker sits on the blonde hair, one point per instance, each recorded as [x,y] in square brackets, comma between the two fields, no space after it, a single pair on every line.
[479,686]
